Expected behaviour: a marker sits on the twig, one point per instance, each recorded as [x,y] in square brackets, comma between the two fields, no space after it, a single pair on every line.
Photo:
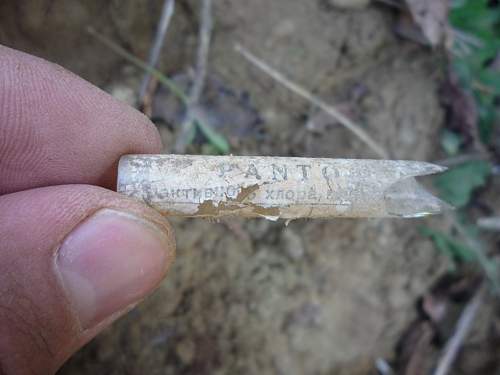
[485,89]
[219,142]
[383,367]
[205,33]
[141,64]
[462,329]
[468,38]
[166,15]
[489,223]
[346,122]
[489,267]
[460,159]
[420,350]
[147,102]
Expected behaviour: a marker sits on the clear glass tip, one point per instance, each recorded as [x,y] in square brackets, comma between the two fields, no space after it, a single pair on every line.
[407,198]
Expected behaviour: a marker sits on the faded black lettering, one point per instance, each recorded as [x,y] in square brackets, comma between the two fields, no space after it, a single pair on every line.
[269,194]
[305,168]
[280,172]
[252,171]
[225,168]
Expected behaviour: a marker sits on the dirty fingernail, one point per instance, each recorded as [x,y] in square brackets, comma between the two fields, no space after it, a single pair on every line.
[110,261]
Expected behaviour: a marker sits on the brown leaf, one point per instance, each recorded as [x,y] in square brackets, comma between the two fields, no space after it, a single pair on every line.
[461,110]
[432,17]
[435,306]
[415,351]
[228,111]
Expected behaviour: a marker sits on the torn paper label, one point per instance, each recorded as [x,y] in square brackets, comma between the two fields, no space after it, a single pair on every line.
[277,187]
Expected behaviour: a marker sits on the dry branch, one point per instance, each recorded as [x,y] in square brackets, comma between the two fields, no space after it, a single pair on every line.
[337,115]
[154,55]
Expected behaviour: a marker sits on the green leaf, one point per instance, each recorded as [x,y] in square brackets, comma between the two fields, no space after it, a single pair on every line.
[487,116]
[457,184]
[491,80]
[191,133]
[457,251]
[209,149]
[216,139]
[451,142]
[463,71]
[475,16]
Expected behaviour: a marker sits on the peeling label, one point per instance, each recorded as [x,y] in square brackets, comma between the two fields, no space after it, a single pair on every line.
[269,187]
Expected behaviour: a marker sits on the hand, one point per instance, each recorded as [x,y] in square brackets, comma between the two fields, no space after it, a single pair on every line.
[74,255]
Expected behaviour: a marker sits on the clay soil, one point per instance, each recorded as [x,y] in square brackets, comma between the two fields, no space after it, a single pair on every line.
[253,296]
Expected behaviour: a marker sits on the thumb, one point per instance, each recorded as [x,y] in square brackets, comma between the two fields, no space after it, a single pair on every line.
[72,259]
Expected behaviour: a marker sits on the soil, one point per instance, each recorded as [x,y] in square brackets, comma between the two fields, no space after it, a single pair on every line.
[253,296]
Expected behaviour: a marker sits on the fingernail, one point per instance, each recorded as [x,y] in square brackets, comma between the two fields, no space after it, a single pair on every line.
[110,261]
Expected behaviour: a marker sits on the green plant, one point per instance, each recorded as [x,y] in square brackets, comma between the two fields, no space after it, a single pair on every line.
[457,184]
[476,48]
[218,141]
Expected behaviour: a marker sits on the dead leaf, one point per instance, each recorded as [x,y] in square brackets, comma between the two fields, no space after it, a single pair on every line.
[407,28]
[461,109]
[432,17]
[435,306]
[415,350]
[228,111]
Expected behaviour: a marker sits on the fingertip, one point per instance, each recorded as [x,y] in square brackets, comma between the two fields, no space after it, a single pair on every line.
[81,254]
[59,129]
[111,261]
[150,132]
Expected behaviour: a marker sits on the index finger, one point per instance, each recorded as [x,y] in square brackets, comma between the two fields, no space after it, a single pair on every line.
[56,128]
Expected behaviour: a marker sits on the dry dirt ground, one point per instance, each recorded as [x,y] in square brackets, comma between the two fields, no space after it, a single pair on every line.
[247,297]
